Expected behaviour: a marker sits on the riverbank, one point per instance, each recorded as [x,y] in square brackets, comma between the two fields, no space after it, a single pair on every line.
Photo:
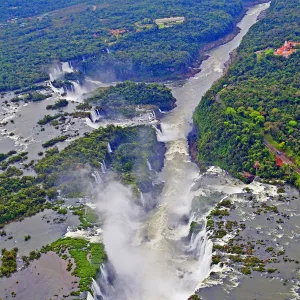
[254,254]
[224,125]
[229,37]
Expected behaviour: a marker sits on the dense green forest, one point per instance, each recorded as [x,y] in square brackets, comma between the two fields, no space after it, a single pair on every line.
[11,9]
[256,103]
[130,94]
[21,196]
[80,31]
[70,170]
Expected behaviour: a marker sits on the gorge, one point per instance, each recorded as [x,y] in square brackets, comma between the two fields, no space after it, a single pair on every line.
[121,188]
[159,259]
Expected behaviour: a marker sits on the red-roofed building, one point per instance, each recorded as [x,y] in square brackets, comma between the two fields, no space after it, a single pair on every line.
[287,49]
[279,162]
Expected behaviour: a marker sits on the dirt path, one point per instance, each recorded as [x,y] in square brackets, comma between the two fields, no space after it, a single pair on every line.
[283,156]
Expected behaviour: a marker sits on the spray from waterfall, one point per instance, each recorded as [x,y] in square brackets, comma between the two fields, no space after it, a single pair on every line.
[154,254]
[142,270]
[97,177]
[75,91]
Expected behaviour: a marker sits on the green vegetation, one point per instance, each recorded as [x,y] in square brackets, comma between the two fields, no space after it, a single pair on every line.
[220,212]
[69,169]
[58,104]
[194,297]
[11,160]
[258,102]
[28,46]
[87,216]
[20,197]
[13,8]
[4,156]
[31,96]
[9,262]
[54,141]
[246,271]
[130,94]
[47,119]
[87,258]
[27,238]
[84,106]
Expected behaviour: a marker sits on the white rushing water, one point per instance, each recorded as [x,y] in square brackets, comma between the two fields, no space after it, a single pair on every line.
[152,254]
[76,91]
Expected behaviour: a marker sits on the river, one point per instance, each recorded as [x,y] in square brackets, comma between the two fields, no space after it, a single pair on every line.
[151,254]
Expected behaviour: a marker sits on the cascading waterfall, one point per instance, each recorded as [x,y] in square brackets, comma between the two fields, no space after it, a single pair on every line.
[95,115]
[104,164]
[96,288]
[147,201]
[153,114]
[74,91]
[77,92]
[103,167]
[97,177]
[142,199]
[58,91]
[159,257]
[90,297]
[149,165]
[109,148]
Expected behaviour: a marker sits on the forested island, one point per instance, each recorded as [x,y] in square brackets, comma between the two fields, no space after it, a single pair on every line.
[130,149]
[248,122]
[130,94]
[107,40]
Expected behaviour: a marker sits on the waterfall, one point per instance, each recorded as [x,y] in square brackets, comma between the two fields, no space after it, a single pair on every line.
[156,261]
[149,165]
[147,201]
[90,297]
[97,177]
[142,199]
[109,148]
[107,277]
[159,134]
[77,92]
[66,67]
[103,167]
[57,71]
[104,164]
[56,90]
[153,114]
[96,288]
[95,115]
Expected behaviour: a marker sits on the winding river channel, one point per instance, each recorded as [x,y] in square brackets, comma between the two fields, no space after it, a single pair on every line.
[152,254]
[159,260]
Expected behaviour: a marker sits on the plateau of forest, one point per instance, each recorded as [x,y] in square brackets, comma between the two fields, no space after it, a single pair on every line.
[249,121]
[108,39]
